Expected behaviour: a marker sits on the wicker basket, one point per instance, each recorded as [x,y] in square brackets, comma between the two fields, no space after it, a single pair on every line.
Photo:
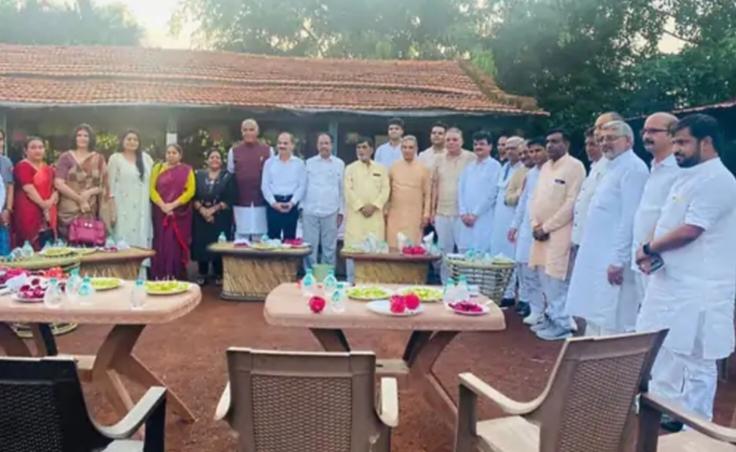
[490,277]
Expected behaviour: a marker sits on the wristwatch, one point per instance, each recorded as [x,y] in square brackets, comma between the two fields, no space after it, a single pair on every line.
[646,250]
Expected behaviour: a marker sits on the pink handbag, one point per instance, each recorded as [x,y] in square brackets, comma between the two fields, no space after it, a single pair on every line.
[87,231]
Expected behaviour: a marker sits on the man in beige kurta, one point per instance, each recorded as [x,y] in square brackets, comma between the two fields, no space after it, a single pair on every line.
[550,213]
[409,203]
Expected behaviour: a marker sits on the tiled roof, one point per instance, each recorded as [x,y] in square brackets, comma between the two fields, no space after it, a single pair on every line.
[93,75]
[717,106]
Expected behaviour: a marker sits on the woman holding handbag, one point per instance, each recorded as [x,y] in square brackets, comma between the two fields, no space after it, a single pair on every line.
[34,218]
[84,194]
[172,188]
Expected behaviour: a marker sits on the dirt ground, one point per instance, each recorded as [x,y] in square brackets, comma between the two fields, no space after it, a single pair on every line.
[188,355]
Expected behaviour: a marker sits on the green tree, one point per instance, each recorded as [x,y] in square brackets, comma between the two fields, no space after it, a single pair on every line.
[41,22]
[428,29]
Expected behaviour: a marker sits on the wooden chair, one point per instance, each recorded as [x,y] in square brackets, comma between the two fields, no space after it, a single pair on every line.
[588,404]
[702,436]
[42,409]
[297,401]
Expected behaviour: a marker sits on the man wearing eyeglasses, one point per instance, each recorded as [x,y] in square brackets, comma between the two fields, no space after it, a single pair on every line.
[663,172]
[602,287]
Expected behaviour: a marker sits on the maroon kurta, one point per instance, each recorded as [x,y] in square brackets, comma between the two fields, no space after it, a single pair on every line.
[171,233]
[249,160]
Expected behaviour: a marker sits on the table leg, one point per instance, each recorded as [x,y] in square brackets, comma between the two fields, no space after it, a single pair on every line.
[417,340]
[332,340]
[115,358]
[44,339]
[11,343]
[421,369]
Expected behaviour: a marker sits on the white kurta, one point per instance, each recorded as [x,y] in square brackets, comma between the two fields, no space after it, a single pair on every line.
[475,198]
[522,223]
[607,241]
[693,294]
[582,203]
[503,214]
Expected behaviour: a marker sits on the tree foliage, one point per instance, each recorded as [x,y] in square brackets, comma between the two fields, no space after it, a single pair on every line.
[42,22]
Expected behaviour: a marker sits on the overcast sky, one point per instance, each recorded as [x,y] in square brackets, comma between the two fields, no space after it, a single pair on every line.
[154,16]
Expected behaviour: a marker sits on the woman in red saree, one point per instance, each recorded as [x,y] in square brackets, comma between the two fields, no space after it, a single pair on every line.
[172,189]
[35,198]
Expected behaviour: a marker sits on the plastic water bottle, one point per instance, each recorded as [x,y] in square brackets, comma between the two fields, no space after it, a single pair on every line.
[27,249]
[330,283]
[138,294]
[221,238]
[86,291]
[448,295]
[463,291]
[72,285]
[308,283]
[52,297]
[337,299]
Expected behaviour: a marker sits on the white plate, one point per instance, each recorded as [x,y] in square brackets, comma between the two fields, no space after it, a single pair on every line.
[20,299]
[484,310]
[383,307]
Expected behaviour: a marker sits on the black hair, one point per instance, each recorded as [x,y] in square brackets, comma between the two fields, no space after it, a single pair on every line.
[138,152]
[563,132]
[440,124]
[325,134]
[539,141]
[176,146]
[92,136]
[362,139]
[701,126]
[396,122]
[211,151]
[483,135]
[30,139]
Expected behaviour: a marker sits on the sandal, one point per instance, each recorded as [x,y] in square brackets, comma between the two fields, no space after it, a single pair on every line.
[201,280]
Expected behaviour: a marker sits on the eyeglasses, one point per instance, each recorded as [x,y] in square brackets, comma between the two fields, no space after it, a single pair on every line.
[653,130]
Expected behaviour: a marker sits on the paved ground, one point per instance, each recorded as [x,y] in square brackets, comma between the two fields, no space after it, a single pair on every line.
[189,355]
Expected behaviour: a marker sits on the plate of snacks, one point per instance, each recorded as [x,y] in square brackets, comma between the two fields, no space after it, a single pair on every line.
[397,306]
[368,293]
[469,308]
[106,283]
[166,287]
[426,294]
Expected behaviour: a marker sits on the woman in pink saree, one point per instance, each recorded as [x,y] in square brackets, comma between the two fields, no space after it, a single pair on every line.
[172,188]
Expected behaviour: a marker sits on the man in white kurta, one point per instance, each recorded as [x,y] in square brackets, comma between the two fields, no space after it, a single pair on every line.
[598,165]
[693,293]
[602,287]
[475,201]
[531,299]
[664,170]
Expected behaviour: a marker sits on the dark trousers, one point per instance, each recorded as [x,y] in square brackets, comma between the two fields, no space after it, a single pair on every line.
[204,267]
[279,223]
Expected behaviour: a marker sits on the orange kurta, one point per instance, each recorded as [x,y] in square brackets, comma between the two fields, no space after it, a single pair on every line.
[411,187]
[551,207]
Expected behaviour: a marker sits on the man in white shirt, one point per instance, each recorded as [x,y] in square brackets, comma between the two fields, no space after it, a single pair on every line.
[531,299]
[602,286]
[283,184]
[693,293]
[390,151]
[429,156]
[501,146]
[663,172]
[324,200]
[598,164]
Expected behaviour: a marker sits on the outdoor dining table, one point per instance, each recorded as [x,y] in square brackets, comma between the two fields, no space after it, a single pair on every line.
[115,356]
[250,273]
[431,331]
[393,267]
[124,264]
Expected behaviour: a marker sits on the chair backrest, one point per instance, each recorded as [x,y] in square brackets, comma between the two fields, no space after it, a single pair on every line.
[590,397]
[42,407]
[296,401]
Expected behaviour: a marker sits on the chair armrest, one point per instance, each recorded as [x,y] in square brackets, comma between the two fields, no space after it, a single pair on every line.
[223,406]
[388,411]
[678,412]
[509,406]
[152,401]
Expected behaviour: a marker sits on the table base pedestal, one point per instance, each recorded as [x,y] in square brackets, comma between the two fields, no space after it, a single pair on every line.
[251,278]
[371,272]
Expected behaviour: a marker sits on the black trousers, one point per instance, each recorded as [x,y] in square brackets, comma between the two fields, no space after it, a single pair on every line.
[282,223]
[204,267]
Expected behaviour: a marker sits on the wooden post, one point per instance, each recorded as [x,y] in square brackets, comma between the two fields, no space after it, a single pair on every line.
[171,129]
[334,130]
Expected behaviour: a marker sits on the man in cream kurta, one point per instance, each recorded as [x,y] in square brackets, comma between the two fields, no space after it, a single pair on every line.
[475,200]
[409,203]
[602,286]
[446,178]
[367,190]
[550,213]
[693,293]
